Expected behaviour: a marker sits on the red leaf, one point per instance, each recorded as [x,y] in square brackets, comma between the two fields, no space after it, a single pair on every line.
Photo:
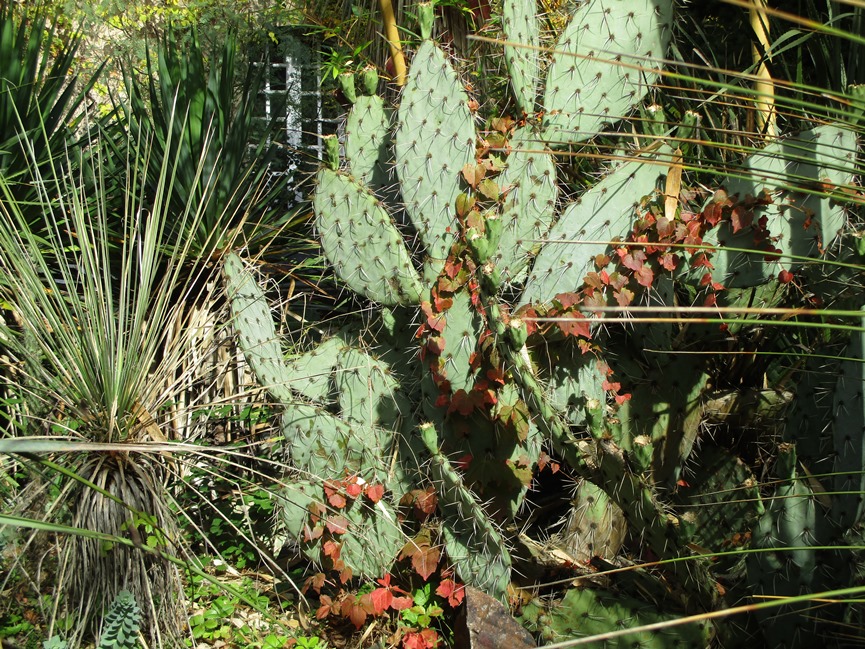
[337,524]
[425,561]
[324,609]
[454,593]
[426,639]
[331,549]
[354,489]
[375,492]
[344,574]
[401,603]
[621,398]
[567,300]
[575,324]
[624,297]
[353,612]
[666,227]
[740,218]
[785,277]
[464,462]
[436,345]
[312,533]
[381,599]
[336,500]
[645,276]
[669,261]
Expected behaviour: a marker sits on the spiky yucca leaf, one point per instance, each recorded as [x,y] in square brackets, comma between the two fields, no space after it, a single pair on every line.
[92,313]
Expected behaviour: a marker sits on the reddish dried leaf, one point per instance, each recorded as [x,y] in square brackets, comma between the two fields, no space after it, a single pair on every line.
[330,549]
[353,612]
[345,574]
[375,492]
[425,561]
[669,261]
[312,533]
[645,276]
[624,297]
[337,500]
[401,603]
[576,324]
[453,592]
[337,524]
[740,218]
[567,300]
[785,276]
[353,489]
[381,599]
[436,345]
[666,227]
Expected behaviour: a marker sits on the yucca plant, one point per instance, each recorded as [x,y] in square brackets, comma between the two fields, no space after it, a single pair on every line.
[200,111]
[88,330]
[40,94]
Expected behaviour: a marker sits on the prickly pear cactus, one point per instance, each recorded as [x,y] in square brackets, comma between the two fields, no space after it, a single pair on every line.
[601,65]
[491,348]
[585,612]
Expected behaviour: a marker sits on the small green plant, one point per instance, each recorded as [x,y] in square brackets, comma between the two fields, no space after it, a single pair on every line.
[309,642]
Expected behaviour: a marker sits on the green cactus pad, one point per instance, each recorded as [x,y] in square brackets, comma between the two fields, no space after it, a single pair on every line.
[573,379]
[361,241]
[367,139]
[311,374]
[368,391]
[529,208]
[669,416]
[327,446]
[848,428]
[605,211]
[522,36]
[254,324]
[602,65]
[721,501]
[473,543]
[595,527]
[434,140]
[585,612]
[804,223]
[461,331]
[372,529]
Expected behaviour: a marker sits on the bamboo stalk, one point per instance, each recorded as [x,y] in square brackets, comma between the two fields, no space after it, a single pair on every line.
[765,87]
[392,35]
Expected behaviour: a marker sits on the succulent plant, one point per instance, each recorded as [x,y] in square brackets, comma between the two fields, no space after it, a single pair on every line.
[497,247]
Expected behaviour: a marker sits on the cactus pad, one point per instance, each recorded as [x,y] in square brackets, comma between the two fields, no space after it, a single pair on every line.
[434,139]
[361,241]
[602,64]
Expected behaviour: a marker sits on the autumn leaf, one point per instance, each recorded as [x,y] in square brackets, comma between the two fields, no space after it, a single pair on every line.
[325,607]
[337,500]
[353,489]
[576,324]
[567,300]
[453,592]
[375,492]
[401,603]
[426,639]
[353,612]
[473,173]
[785,277]
[645,276]
[337,524]
[381,599]
[740,218]
[330,549]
